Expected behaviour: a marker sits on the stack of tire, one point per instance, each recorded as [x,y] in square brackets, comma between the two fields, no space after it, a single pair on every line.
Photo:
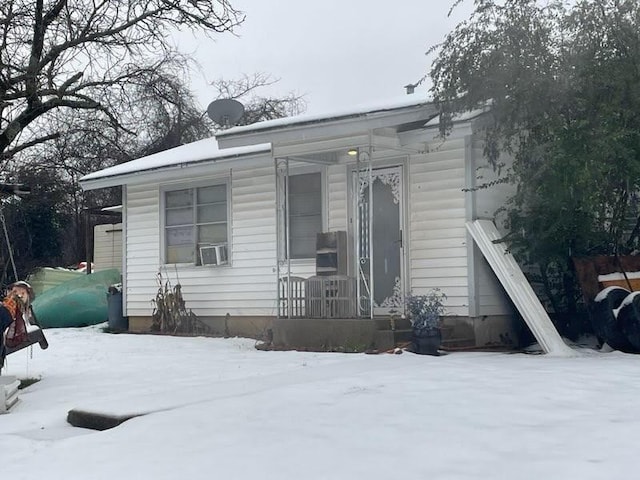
[615,316]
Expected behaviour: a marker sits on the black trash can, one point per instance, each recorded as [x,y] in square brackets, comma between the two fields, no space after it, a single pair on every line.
[117,322]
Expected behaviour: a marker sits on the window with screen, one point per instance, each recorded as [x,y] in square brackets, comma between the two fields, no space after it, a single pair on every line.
[305,213]
[196,225]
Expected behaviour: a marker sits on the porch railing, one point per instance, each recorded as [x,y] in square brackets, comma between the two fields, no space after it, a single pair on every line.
[331,296]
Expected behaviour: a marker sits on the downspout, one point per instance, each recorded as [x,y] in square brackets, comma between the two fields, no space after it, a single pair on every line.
[470,214]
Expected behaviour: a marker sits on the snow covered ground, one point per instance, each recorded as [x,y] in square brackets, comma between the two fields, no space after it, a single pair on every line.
[219,408]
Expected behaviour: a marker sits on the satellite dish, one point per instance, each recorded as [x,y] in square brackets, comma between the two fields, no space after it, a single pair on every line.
[225,111]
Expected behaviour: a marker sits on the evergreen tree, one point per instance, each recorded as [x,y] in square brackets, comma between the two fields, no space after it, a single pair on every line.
[561,84]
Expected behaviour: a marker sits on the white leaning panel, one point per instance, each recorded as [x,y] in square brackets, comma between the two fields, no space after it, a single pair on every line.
[504,265]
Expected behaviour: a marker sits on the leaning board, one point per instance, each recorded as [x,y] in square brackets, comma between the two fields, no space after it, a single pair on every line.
[504,265]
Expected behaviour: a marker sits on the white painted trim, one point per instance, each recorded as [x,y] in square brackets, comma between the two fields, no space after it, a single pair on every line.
[125,263]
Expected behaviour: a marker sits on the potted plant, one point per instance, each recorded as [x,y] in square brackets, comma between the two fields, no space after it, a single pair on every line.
[424,312]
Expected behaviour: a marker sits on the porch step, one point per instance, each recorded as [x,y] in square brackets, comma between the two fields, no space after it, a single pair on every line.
[402,336]
[389,339]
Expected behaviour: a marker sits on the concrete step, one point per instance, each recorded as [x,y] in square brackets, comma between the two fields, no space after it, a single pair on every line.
[389,339]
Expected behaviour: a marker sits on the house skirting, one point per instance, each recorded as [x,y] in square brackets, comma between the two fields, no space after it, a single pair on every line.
[487,331]
[325,334]
[226,326]
[357,334]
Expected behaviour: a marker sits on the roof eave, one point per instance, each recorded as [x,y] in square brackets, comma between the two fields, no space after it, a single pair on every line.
[157,174]
[341,126]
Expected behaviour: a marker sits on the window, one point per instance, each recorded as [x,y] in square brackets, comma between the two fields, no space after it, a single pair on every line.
[195,218]
[305,213]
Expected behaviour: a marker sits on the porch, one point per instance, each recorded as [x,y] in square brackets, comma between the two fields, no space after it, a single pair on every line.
[332,311]
[356,334]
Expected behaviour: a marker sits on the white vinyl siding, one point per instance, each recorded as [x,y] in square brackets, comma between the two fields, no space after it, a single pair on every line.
[489,294]
[337,188]
[437,234]
[437,247]
[442,254]
[489,200]
[247,287]
[142,248]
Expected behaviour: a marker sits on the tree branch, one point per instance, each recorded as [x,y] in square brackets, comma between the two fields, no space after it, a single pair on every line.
[7,154]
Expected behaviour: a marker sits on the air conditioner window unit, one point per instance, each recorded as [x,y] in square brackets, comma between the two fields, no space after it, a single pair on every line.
[214,254]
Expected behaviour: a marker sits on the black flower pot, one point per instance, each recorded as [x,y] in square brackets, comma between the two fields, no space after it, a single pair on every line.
[426,341]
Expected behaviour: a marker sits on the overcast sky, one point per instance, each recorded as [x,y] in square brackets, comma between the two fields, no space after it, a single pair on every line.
[336,53]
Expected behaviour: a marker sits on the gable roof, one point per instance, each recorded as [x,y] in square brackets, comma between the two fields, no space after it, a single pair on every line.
[258,138]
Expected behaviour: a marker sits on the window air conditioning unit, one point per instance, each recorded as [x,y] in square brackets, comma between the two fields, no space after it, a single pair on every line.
[214,255]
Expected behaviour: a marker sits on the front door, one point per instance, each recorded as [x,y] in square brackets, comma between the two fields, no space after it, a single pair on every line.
[379,204]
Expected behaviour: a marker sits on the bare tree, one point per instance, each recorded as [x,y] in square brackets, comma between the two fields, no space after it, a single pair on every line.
[75,55]
[259,107]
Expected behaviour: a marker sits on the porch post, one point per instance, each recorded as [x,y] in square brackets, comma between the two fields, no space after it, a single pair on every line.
[282,233]
[370,221]
[364,230]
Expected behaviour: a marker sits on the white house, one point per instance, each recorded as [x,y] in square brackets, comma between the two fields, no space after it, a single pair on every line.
[311,230]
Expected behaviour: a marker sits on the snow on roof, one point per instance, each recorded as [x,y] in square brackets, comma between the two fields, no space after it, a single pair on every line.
[206,149]
[405,101]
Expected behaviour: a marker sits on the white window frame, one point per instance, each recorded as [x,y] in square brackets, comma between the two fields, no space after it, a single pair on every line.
[194,186]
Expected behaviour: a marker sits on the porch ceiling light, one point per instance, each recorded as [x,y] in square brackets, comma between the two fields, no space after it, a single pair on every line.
[352,152]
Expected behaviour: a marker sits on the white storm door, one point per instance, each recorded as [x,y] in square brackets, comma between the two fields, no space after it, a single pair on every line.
[380,230]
